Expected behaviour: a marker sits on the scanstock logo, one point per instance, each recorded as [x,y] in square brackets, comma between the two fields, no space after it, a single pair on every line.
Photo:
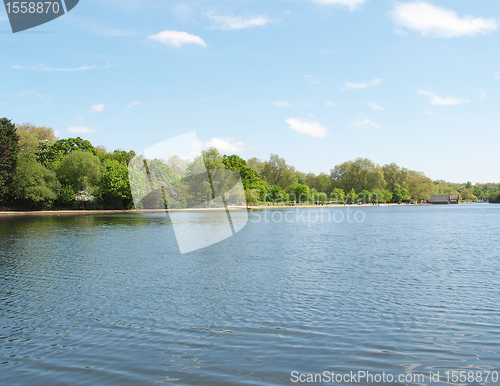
[24,15]
[205,205]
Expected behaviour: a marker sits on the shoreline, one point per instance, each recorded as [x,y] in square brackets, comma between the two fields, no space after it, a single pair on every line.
[16,213]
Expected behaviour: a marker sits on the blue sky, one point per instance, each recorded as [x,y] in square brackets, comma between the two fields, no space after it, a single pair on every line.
[317,82]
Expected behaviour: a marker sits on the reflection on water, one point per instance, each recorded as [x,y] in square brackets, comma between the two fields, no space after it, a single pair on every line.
[109,298]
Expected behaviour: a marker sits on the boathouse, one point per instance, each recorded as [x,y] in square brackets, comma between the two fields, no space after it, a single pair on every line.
[444,199]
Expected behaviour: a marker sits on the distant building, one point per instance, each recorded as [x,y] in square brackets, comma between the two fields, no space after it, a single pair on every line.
[444,199]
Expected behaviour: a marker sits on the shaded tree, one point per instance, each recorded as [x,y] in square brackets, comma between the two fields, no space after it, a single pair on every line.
[9,149]
[115,185]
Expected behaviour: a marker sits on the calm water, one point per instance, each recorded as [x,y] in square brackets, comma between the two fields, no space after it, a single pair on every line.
[108,299]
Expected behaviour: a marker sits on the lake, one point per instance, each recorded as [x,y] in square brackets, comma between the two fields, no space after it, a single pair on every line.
[404,291]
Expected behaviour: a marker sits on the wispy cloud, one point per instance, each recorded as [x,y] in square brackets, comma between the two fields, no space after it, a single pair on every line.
[100,28]
[33,94]
[98,108]
[351,4]
[481,94]
[313,129]
[227,145]
[429,20]
[436,100]
[330,104]
[283,104]
[313,79]
[177,38]
[80,130]
[133,104]
[44,67]
[360,85]
[375,106]
[362,120]
[497,75]
[226,23]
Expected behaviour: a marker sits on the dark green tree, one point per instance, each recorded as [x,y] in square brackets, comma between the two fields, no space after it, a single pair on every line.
[63,147]
[115,185]
[9,149]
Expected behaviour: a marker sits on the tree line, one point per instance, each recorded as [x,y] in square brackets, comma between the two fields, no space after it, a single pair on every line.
[39,171]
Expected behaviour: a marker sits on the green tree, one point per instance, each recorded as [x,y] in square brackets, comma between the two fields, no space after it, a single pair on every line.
[381,196]
[397,196]
[257,165]
[405,195]
[364,197]
[9,149]
[420,187]
[275,193]
[82,171]
[115,185]
[338,195]
[359,174]
[395,176]
[468,194]
[35,186]
[320,182]
[351,197]
[62,147]
[277,172]
[31,135]
[301,193]
[249,178]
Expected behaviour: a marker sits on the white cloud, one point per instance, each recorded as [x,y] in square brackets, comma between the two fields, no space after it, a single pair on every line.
[362,120]
[44,67]
[133,104]
[436,100]
[430,20]
[80,130]
[351,4]
[177,38]
[330,104]
[282,104]
[98,108]
[227,23]
[360,85]
[225,145]
[375,106]
[497,75]
[313,129]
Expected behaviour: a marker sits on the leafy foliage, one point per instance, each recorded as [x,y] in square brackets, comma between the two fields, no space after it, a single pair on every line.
[81,170]
[35,186]
[9,148]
